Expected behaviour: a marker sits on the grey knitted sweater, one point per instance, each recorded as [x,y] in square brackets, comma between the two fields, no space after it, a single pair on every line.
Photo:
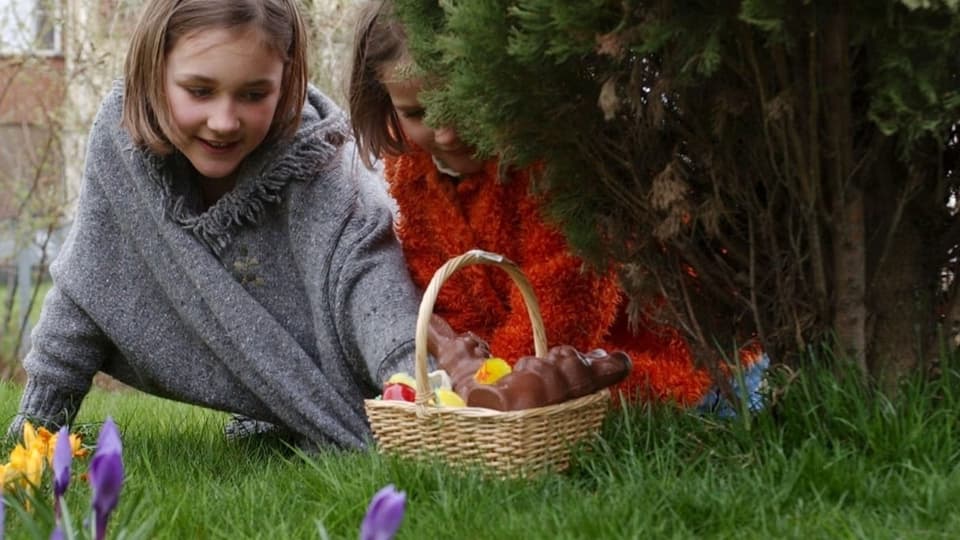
[287,301]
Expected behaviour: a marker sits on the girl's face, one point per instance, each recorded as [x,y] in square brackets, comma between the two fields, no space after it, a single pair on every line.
[222,87]
[443,143]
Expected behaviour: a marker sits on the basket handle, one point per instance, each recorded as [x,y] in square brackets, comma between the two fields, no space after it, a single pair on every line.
[474,256]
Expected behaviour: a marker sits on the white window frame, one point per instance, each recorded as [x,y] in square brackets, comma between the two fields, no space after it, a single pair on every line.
[20,28]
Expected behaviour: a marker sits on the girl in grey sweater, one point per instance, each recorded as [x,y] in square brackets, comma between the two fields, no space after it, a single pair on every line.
[227,250]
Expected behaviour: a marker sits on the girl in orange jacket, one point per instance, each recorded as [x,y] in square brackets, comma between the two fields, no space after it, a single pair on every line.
[449,201]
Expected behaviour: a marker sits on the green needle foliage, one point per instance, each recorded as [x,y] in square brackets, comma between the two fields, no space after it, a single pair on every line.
[779,171]
[828,459]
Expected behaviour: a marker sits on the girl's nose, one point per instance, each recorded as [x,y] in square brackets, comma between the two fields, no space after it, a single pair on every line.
[446,136]
[224,118]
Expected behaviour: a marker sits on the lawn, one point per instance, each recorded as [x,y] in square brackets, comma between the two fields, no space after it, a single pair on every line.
[829,460]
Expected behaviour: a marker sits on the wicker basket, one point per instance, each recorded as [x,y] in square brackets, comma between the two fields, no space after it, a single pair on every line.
[511,444]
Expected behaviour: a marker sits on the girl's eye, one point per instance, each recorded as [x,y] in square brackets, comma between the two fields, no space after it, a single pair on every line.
[254,96]
[413,114]
[198,92]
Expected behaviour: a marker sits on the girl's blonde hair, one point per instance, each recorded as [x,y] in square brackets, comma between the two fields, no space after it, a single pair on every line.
[379,42]
[146,113]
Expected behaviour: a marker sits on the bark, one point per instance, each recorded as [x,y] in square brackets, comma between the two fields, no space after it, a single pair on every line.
[849,250]
[850,311]
[900,308]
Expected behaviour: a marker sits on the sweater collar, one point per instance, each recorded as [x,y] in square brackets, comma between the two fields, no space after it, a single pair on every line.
[261,179]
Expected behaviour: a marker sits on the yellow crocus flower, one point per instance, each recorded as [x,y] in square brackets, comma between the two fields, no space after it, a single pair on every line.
[27,465]
[34,469]
[46,441]
[29,458]
[6,475]
[29,435]
[75,445]
[18,458]
[38,439]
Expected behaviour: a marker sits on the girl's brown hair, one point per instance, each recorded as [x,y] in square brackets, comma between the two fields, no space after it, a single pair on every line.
[379,43]
[146,114]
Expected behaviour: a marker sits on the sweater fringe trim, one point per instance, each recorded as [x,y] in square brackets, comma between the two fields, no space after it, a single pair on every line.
[302,161]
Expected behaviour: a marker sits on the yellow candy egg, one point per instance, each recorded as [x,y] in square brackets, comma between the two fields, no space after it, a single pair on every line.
[449,398]
[492,370]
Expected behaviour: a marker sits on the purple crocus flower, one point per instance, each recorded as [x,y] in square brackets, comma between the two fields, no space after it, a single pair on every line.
[106,476]
[57,533]
[384,514]
[62,456]
[3,510]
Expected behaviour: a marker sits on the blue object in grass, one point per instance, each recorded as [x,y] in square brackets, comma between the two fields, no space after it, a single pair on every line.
[716,403]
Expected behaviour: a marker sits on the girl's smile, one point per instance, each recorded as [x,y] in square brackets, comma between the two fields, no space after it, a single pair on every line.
[222,86]
[219,148]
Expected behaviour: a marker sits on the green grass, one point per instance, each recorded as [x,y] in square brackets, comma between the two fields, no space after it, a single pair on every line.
[829,460]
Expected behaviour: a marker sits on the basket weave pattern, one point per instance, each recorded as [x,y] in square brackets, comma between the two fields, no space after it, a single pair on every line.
[512,443]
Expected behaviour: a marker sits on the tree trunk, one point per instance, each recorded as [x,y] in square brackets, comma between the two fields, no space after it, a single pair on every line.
[850,311]
[900,309]
[903,273]
[849,249]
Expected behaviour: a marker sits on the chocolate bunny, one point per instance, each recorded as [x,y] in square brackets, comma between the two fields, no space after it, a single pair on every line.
[563,375]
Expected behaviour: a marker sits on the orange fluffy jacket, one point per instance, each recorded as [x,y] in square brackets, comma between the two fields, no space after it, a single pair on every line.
[440,218]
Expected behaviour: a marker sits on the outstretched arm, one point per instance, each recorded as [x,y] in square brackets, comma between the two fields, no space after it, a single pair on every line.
[68,349]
